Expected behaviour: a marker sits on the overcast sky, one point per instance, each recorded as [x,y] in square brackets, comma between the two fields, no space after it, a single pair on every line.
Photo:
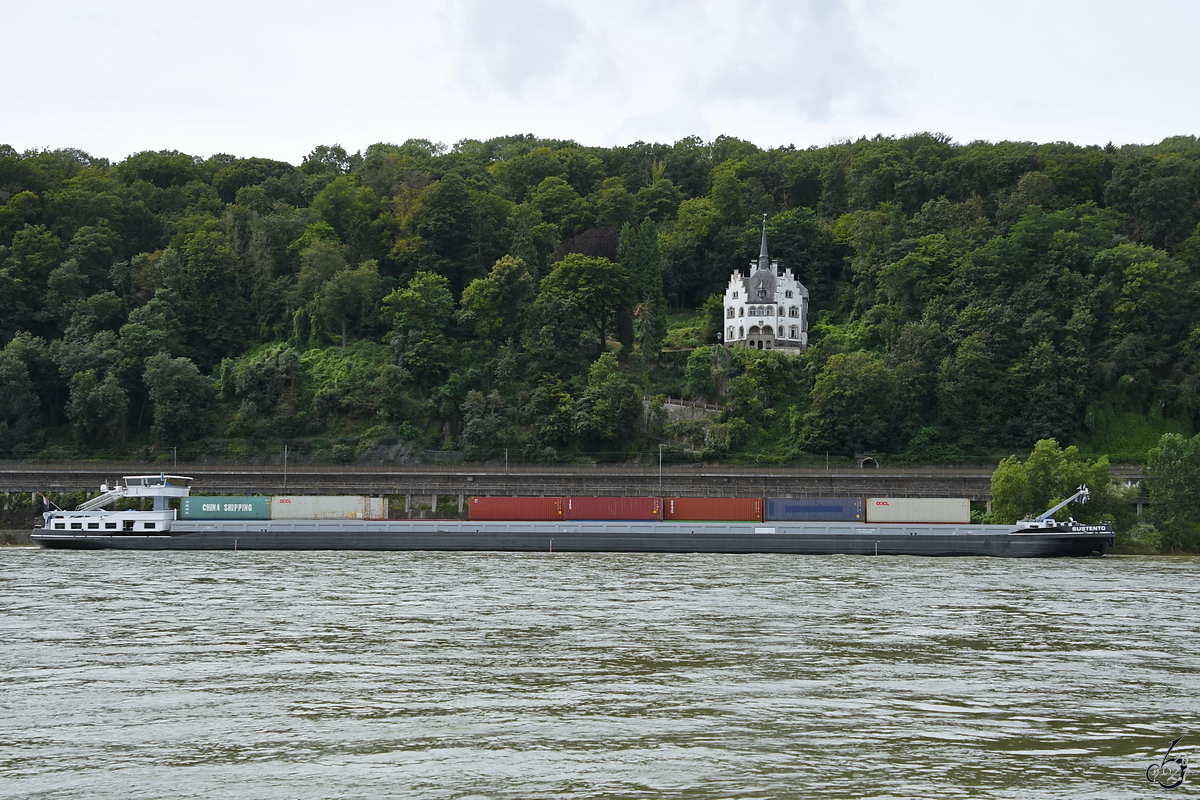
[275,79]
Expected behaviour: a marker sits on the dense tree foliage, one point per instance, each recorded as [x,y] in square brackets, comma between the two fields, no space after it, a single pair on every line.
[526,295]
[1025,488]
[1172,473]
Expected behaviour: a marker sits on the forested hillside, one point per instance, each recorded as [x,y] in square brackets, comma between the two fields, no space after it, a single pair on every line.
[526,295]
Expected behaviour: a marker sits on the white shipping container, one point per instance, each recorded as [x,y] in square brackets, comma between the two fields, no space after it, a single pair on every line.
[328,507]
[377,508]
[918,509]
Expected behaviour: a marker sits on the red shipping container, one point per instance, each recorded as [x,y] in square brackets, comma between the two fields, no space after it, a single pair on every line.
[521,509]
[714,509]
[625,508]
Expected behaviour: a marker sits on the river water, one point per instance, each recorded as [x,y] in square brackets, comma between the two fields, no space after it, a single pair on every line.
[493,675]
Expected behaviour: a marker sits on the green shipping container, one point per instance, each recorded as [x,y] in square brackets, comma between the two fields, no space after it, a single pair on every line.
[225,508]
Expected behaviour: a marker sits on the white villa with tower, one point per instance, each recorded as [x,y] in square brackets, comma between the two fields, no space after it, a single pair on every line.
[767,310]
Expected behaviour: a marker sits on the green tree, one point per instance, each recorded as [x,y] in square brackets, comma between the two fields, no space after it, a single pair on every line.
[610,407]
[858,404]
[494,305]
[487,424]
[247,172]
[688,246]
[1172,473]
[612,204]
[638,253]
[349,297]
[559,203]
[557,336]
[443,220]
[204,276]
[701,374]
[97,406]
[1026,488]
[181,398]
[349,209]
[598,287]
[549,413]
[658,201]
[967,390]
[419,316]
[164,168]
[20,407]
[320,261]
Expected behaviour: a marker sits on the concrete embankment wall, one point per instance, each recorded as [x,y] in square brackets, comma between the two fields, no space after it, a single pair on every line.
[15,537]
[441,490]
[424,483]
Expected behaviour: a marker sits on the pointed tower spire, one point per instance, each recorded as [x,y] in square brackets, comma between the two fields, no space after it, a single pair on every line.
[763,260]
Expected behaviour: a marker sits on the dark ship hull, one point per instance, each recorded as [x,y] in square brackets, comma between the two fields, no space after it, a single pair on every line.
[808,538]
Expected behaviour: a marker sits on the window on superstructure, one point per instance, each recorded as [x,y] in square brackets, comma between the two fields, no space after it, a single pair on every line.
[76,526]
[149,525]
[60,525]
[93,526]
[110,525]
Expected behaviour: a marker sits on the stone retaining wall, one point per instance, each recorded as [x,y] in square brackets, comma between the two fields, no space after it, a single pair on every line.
[15,537]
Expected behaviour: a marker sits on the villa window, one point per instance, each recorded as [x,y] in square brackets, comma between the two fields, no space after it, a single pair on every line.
[730,332]
[781,311]
[741,312]
[735,296]
[788,294]
[793,311]
[729,314]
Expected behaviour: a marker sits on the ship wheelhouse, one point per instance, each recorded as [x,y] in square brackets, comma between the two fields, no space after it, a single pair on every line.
[92,518]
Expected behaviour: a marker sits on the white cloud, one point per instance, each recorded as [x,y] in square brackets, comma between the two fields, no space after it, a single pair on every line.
[516,46]
[259,77]
[807,55]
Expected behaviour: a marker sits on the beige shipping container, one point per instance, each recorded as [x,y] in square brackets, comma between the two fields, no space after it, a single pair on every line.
[328,507]
[918,509]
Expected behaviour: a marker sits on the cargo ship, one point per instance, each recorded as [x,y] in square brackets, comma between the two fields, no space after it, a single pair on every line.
[809,526]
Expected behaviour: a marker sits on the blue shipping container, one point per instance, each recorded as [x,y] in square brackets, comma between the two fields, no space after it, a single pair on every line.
[814,509]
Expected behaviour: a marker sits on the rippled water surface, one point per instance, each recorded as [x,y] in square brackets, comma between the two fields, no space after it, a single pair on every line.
[494,675]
